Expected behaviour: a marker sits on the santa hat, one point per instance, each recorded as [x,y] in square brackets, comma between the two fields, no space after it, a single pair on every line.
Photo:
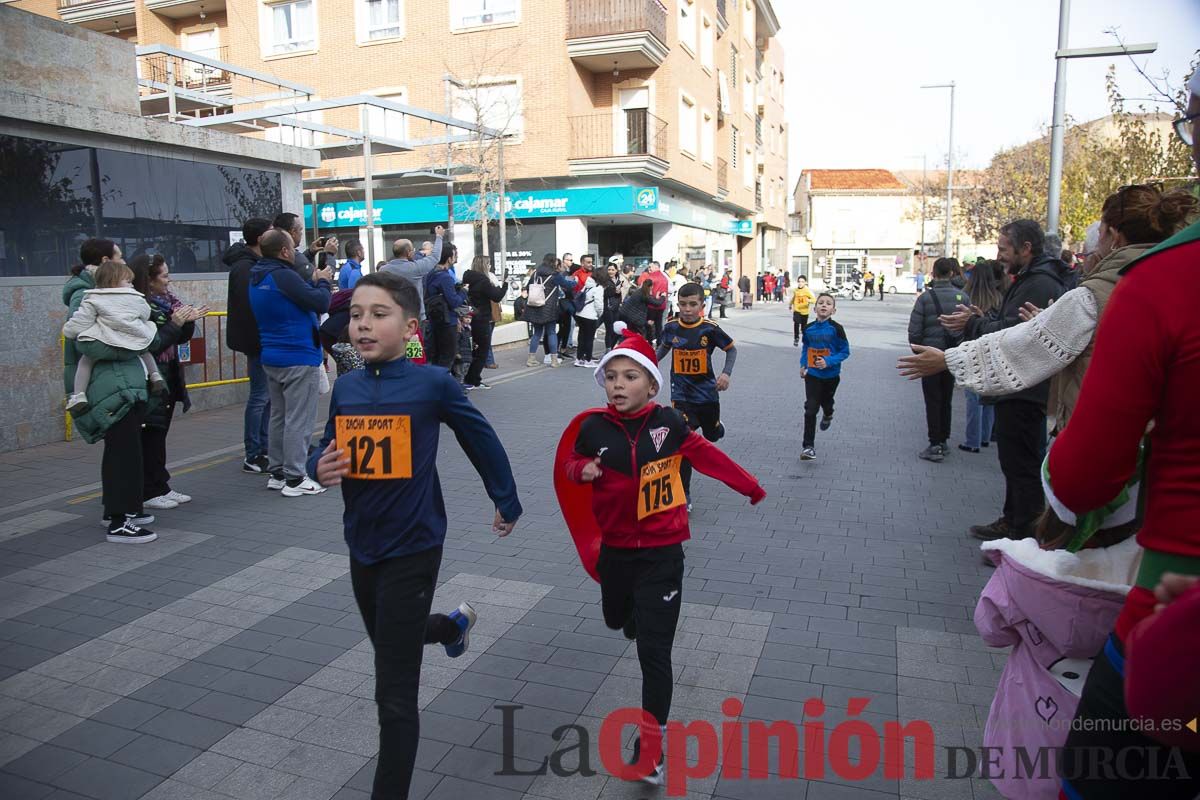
[632,345]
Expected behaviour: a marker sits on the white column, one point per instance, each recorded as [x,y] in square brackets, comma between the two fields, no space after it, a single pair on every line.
[464,240]
[381,253]
[571,236]
[666,242]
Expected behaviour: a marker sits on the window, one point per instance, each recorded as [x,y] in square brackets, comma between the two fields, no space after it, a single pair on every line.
[708,38]
[388,124]
[708,134]
[136,203]
[478,13]
[687,25]
[687,125]
[734,141]
[748,94]
[291,27]
[748,20]
[494,103]
[379,19]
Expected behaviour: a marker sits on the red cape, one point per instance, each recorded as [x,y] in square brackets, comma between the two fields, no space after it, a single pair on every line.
[575,499]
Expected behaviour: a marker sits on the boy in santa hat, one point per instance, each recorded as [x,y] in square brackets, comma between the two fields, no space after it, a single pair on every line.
[617,475]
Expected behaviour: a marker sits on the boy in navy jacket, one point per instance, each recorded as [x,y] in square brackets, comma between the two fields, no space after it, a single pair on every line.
[380,445]
[825,348]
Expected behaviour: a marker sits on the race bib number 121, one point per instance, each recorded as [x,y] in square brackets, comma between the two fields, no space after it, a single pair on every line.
[380,447]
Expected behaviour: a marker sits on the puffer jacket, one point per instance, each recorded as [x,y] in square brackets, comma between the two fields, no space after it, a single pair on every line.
[557,287]
[118,382]
[241,329]
[942,297]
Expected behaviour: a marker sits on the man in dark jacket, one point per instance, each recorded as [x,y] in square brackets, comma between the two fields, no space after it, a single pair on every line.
[442,298]
[293,226]
[286,308]
[1020,417]
[241,335]
[925,328]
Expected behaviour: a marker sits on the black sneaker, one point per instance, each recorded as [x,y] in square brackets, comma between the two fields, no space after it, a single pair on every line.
[932,453]
[795,342]
[968,448]
[826,422]
[128,533]
[255,466]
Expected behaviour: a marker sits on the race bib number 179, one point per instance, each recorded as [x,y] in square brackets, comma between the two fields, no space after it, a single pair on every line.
[380,447]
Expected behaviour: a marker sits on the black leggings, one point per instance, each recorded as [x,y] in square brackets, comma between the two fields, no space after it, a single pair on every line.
[818,394]
[939,397]
[586,338]
[156,480]
[121,466]
[799,324]
[394,598]
[645,584]
[481,339]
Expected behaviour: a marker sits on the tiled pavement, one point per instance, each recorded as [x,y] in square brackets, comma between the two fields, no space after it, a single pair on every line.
[227,659]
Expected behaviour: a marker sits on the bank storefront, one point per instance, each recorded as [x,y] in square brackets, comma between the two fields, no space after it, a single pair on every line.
[640,222]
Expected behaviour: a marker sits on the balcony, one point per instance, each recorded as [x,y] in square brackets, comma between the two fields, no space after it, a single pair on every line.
[722,178]
[607,144]
[603,35]
[183,9]
[722,20]
[99,15]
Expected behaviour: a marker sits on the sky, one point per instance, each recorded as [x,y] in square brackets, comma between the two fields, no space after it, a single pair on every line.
[854,68]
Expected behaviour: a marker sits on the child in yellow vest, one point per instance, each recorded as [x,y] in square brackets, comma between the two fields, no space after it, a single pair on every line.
[802,298]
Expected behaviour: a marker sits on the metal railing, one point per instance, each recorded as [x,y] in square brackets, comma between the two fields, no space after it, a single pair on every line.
[586,18]
[758,130]
[721,11]
[722,175]
[220,380]
[66,4]
[171,70]
[592,136]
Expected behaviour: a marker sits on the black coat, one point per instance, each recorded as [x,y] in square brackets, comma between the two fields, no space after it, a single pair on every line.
[1040,283]
[941,297]
[241,329]
[481,293]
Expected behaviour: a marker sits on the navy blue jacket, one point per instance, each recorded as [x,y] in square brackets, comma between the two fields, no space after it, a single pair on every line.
[286,308]
[441,281]
[389,518]
[830,337]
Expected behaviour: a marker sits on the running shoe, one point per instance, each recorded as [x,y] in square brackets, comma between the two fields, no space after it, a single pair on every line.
[464,617]
[256,465]
[128,533]
[808,454]
[297,487]
[160,503]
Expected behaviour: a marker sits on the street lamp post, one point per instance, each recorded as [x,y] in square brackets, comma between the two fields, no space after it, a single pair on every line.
[949,163]
[1058,124]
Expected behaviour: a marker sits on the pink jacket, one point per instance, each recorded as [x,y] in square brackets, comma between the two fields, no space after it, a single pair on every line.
[1055,610]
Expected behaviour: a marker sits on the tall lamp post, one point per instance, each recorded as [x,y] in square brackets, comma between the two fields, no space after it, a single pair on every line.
[949,162]
[1057,129]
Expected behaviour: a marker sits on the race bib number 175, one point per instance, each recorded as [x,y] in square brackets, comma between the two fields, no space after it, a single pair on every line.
[380,447]
[661,487]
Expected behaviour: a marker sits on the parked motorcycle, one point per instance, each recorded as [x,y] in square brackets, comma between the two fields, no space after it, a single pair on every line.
[852,289]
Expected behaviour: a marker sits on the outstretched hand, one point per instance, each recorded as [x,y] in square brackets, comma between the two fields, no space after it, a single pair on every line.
[924,362]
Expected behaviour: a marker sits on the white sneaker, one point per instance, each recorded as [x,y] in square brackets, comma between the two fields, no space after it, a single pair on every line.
[179,497]
[275,484]
[546,361]
[77,401]
[303,487]
[593,364]
[160,503]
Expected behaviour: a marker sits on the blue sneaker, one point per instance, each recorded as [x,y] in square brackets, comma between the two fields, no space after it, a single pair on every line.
[464,618]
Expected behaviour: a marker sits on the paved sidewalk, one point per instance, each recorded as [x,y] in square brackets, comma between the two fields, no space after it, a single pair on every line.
[227,660]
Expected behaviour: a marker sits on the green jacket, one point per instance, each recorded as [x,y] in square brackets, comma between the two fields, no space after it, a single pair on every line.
[118,381]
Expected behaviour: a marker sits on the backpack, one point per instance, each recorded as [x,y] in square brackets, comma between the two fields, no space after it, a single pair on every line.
[582,299]
[537,292]
[437,310]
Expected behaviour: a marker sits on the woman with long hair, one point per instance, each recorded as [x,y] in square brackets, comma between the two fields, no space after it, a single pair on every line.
[544,289]
[635,311]
[614,293]
[986,292]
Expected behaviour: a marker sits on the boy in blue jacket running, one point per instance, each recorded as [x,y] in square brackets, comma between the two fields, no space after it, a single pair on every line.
[380,445]
[825,348]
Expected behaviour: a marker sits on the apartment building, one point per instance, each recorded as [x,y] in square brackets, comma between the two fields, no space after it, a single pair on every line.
[653,129]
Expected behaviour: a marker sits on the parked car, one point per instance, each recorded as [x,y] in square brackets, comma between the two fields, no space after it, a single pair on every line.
[904,284]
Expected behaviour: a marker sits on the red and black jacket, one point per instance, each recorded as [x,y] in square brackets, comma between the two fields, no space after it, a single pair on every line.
[625,446]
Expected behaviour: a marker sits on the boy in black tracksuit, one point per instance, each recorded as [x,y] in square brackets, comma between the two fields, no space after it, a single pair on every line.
[925,328]
[381,445]
[630,453]
[694,388]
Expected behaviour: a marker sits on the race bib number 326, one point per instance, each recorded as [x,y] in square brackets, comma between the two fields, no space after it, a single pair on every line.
[380,447]
[660,488]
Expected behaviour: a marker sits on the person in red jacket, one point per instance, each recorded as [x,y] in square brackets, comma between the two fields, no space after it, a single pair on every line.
[1145,369]
[619,484]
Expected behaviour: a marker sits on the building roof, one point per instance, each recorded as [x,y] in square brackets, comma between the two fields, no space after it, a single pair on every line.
[851,179]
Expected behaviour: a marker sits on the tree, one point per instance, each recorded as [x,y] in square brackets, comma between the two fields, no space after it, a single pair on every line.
[1129,146]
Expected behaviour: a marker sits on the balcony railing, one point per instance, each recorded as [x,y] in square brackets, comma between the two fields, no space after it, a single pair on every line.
[170,70]
[758,130]
[587,18]
[721,12]
[594,136]
[68,4]
[722,175]
[758,196]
